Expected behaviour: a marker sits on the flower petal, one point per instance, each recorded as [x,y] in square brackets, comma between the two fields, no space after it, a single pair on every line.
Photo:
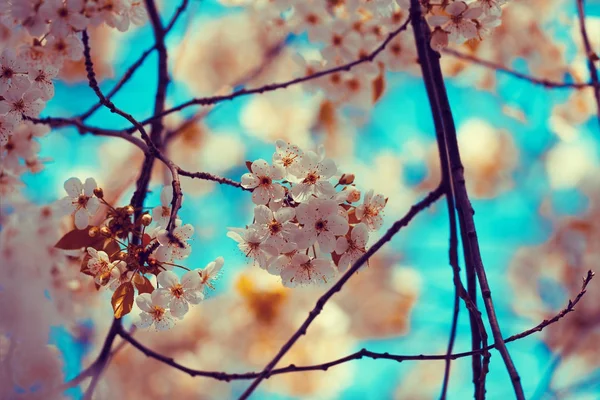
[73,187]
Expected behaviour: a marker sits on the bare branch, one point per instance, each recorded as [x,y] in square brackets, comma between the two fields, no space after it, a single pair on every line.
[592,57]
[227,377]
[532,79]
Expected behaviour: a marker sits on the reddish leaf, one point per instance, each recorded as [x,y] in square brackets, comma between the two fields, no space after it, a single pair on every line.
[142,284]
[352,219]
[378,87]
[112,248]
[249,165]
[122,299]
[76,239]
[146,239]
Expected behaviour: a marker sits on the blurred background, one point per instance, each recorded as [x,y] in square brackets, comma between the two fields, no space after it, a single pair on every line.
[532,164]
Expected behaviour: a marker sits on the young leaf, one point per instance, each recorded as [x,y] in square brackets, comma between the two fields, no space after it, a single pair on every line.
[378,87]
[142,284]
[76,239]
[122,300]
[112,248]
[249,165]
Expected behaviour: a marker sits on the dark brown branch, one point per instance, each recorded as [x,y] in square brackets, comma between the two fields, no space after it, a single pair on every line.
[532,79]
[136,65]
[205,101]
[440,108]
[414,210]
[227,377]
[103,358]
[210,177]
[592,57]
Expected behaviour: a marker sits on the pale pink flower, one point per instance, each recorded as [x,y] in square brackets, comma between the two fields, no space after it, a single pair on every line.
[81,200]
[310,16]
[154,311]
[251,243]
[8,181]
[275,226]
[180,294]
[321,223]
[340,42]
[210,272]
[286,154]
[7,126]
[261,181]
[352,249]
[459,23]
[370,211]
[65,16]
[28,12]
[175,247]
[161,214]
[13,73]
[304,270]
[41,78]
[61,48]
[15,105]
[312,174]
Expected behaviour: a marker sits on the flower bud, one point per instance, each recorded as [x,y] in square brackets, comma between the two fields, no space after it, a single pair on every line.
[353,194]
[146,219]
[99,193]
[104,231]
[346,179]
[129,210]
[93,232]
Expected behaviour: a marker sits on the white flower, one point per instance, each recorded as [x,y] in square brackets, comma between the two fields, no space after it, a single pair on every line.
[459,21]
[286,155]
[321,223]
[439,39]
[41,78]
[340,42]
[210,272]
[65,15]
[276,226]
[277,265]
[309,16]
[175,247]
[491,7]
[7,126]
[13,73]
[15,105]
[312,175]
[154,311]
[261,180]
[180,295]
[369,211]
[61,48]
[162,213]
[119,275]
[250,242]
[27,11]
[351,249]
[304,270]
[105,272]
[81,200]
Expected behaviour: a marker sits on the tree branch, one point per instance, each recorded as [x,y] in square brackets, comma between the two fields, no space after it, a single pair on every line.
[444,122]
[592,57]
[227,377]
[103,358]
[532,79]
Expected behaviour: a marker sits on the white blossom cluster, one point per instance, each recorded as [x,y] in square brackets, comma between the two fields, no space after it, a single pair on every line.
[42,34]
[349,30]
[305,229]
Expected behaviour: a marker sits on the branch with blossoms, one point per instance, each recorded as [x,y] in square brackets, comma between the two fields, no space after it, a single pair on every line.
[311,225]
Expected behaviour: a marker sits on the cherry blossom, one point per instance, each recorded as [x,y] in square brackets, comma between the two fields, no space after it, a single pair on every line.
[312,176]
[210,272]
[261,181]
[250,242]
[15,104]
[369,212]
[65,15]
[41,79]
[303,270]
[180,294]
[352,248]
[276,226]
[321,224]
[7,125]
[286,154]
[13,74]
[175,246]
[459,22]
[81,200]
[161,214]
[154,311]
[340,42]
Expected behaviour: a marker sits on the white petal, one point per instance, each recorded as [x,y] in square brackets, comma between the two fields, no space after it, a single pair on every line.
[179,307]
[89,186]
[260,195]
[250,181]
[144,302]
[337,225]
[194,296]
[191,280]
[184,232]
[326,242]
[92,205]
[341,245]
[360,235]
[327,168]
[144,321]
[285,214]
[167,279]
[261,168]
[81,218]
[161,298]
[73,186]
[263,214]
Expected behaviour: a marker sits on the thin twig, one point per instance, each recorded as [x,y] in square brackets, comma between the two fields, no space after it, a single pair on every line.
[227,377]
[414,210]
[103,358]
[592,57]
[519,75]
[136,65]
[205,101]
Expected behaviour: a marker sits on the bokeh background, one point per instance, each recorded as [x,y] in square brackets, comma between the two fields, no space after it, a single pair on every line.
[532,162]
